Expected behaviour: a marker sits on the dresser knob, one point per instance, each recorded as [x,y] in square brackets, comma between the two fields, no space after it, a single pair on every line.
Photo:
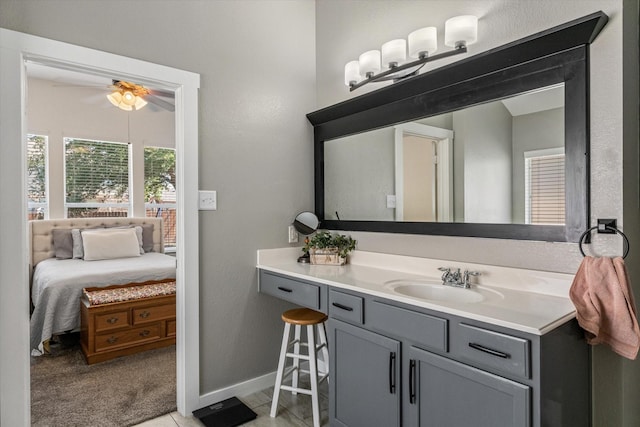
[144,333]
[112,320]
[112,340]
[144,314]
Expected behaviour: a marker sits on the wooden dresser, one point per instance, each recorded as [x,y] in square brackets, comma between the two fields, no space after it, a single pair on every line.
[116,329]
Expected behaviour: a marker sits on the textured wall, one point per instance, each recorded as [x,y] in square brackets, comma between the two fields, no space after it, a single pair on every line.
[347,28]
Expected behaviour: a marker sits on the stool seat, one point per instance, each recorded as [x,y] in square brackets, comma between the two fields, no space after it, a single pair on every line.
[303,317]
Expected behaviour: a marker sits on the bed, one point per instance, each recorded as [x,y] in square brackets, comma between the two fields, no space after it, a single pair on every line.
[58,279]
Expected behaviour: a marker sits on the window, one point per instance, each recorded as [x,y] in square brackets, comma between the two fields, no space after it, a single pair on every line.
[37,194]
[160,189]
[544,187]
[96,178]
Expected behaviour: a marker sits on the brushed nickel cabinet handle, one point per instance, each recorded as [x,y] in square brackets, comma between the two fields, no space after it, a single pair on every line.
[112,340]
[112,320]
[145,314]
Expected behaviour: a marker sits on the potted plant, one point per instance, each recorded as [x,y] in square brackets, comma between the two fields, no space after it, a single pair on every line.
[329,248]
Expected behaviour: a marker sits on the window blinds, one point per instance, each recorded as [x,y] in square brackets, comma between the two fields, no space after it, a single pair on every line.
[96,171]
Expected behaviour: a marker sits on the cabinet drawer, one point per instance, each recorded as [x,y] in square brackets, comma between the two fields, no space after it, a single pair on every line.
[346,307]
[127,337]
[426,331]
[295,291]
[153,313]
[493,350]
[110,321]
[171,328]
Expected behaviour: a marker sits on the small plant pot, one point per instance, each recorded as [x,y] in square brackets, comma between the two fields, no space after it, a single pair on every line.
[326,256]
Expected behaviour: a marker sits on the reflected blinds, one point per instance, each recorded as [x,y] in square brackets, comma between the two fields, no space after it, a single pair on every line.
[545,201]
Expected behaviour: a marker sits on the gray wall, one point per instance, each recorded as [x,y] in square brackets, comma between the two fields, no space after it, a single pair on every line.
[257,65]
[482,152]
[536,131]
[359,174]
[347,28]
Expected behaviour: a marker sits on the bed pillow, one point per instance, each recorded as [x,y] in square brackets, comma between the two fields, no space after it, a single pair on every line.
[147,237]
[76,237]
[110,244]
[62,243]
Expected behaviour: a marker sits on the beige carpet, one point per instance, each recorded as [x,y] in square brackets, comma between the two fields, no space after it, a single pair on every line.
[65,391]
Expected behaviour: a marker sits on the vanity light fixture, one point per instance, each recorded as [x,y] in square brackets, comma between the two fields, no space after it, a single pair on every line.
[389,63]
[128,96]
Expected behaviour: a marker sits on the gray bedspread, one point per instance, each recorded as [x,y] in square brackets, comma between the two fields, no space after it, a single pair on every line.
[57,287]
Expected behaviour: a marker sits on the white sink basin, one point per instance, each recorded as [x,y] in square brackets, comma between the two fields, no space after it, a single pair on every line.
[436,291]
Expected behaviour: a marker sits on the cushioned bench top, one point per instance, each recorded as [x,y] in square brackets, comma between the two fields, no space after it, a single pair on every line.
[128,292]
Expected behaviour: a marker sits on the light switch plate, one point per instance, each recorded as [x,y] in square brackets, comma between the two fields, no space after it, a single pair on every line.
[391,200]
[208,200]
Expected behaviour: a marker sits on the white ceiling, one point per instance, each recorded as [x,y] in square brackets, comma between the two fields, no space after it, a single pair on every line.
[543,99]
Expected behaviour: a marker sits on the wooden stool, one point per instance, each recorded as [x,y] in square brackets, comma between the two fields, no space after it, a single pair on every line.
[312,320]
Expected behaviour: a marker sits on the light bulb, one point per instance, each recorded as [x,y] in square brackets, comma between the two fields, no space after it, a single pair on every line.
[128,98]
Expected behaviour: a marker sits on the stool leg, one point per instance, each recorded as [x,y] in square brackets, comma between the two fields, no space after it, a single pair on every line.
[296,361]
[325,349]
[313,375]
[281,363]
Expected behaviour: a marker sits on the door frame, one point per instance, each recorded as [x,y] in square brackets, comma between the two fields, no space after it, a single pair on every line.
[15,48]
[444,171]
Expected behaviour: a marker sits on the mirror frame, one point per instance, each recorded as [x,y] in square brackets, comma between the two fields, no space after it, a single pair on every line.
[560,54]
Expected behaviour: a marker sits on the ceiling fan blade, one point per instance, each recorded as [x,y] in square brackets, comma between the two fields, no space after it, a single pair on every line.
[160,102]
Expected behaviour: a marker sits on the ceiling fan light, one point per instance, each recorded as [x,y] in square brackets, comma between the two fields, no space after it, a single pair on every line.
[128,98]
[140,103]
[125,107]
[115,98]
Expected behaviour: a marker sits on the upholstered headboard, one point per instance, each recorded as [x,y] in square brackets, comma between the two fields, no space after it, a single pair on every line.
[41,237]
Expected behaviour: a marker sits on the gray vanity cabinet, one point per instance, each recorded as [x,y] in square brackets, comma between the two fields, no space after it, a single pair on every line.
[364,377]
[444,393]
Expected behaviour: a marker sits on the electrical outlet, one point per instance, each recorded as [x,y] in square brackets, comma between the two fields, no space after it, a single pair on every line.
[207,200]
[293,234]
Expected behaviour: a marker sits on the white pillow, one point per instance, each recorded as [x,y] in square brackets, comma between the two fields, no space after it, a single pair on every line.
[110,244]
[76,237]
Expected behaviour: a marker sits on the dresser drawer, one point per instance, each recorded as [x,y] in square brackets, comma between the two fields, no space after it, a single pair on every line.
[346,307]
[295,291]
[428,332]
[495,351]
[113,320]
[127,337]
[171,328]
[153,313]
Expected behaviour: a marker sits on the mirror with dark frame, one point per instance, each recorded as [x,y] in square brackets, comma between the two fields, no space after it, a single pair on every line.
[492,121]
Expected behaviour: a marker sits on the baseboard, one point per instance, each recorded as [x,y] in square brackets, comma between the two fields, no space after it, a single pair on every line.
[244,388]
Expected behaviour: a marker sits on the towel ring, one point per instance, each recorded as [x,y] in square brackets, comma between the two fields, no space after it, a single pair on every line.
[607,227]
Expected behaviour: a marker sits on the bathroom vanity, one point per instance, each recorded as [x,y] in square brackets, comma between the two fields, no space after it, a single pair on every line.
[407,350]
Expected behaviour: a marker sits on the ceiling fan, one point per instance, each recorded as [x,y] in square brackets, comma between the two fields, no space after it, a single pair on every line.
[131,96]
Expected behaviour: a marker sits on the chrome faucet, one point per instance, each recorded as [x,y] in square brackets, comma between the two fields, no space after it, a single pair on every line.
[451,277]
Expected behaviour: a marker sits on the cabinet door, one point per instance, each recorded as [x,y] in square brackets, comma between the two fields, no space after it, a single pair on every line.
[445,393]
[364,377]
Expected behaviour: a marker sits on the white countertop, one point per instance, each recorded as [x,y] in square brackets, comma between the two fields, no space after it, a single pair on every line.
[531,301]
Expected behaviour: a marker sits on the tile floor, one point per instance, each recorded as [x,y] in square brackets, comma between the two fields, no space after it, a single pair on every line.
[295,411]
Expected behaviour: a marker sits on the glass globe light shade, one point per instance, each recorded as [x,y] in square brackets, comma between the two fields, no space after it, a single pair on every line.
[461,31]
[423,42]
[394,52]
[369,63]
[352,73]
